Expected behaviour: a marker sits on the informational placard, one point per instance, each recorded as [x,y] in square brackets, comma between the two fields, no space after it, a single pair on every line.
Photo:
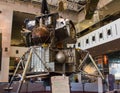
[60,84]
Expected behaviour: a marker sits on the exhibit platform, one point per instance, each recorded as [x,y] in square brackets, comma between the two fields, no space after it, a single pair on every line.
[39,87]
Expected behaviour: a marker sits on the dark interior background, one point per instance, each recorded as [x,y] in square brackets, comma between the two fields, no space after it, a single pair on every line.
[17,25]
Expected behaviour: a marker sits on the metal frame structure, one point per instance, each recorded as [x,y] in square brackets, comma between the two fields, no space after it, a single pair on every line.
[88,55]
[31,50]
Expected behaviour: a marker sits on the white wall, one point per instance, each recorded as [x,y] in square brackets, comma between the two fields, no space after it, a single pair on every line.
[21,51]
[5,26]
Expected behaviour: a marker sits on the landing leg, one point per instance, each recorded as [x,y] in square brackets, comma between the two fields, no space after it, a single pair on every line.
[24,72]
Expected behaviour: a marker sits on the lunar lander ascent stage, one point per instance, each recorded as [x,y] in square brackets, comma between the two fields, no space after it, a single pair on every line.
[48,52]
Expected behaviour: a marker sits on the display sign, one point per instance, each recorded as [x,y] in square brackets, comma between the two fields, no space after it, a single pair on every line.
[60,84]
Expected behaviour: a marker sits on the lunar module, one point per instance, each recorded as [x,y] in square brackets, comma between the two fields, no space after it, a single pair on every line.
[48,55]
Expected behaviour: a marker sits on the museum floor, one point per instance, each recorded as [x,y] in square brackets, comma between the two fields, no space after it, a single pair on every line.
[38,88]
[31,89]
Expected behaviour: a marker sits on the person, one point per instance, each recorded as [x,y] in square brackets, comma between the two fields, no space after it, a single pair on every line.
[111,81]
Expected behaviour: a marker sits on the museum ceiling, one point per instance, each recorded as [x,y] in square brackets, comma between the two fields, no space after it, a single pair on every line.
[84,13]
